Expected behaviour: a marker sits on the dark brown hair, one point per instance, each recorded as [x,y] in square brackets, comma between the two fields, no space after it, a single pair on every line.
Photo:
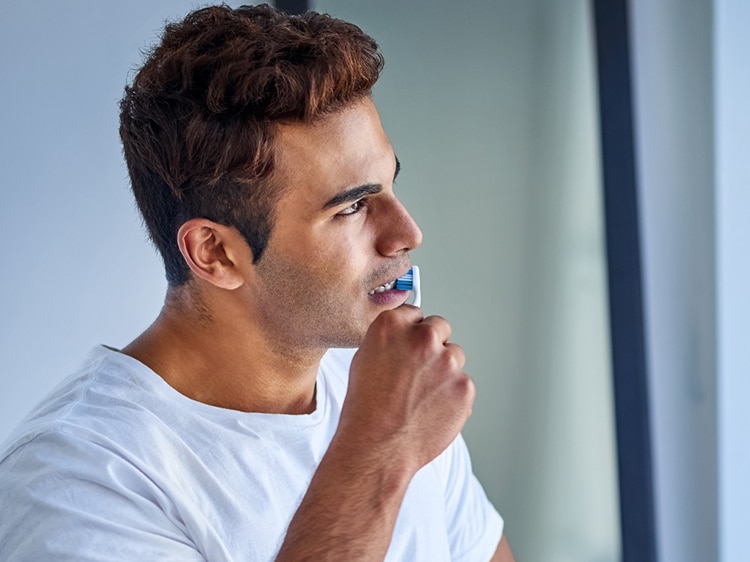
[197,124]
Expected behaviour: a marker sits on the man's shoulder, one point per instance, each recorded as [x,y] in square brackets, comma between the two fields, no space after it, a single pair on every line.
[95,403]
[81,472]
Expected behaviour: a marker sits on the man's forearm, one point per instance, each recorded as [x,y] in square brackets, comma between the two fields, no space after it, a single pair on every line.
[350,508]
[407,399]
[503,553]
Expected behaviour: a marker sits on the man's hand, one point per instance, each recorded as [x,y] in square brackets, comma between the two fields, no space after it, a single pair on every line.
[408,395]
[408,398]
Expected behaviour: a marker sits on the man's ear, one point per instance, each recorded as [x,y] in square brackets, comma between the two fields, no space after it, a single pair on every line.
[211,251]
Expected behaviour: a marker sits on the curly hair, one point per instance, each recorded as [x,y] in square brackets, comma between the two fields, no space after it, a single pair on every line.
[197,124]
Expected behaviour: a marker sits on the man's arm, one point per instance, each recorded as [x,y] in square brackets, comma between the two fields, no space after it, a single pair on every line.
[407,400]
[503,553]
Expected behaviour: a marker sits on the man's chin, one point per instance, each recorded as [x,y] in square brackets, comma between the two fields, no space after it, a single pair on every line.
[350,339]
[350,342]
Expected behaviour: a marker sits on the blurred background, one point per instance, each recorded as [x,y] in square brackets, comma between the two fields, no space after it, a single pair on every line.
[492,109]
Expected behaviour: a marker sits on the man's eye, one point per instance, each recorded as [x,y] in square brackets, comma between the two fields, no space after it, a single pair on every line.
[353,209]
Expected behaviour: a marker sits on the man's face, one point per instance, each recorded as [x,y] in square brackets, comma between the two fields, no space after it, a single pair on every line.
[339,232]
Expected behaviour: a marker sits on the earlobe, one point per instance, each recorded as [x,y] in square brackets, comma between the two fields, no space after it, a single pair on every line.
[206,247]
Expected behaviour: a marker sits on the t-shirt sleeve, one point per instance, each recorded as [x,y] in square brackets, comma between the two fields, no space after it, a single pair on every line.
[474,525]
[93,506]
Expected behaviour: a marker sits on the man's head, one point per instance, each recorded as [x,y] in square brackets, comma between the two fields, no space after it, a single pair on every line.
[199,121]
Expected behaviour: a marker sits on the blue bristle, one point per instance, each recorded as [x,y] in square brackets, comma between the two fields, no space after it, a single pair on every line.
[405,282]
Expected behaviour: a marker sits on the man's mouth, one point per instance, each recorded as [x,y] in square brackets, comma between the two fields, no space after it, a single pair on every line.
[383,288]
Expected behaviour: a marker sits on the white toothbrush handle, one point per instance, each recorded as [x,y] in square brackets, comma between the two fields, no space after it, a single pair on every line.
[415,286]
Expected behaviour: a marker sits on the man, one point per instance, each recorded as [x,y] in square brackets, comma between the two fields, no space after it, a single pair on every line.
[227,431]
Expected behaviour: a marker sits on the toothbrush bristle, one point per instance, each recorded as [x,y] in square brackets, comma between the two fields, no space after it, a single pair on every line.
[405,282]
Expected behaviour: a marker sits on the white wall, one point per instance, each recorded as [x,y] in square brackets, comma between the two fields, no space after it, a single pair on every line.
[76,269]
[732,92]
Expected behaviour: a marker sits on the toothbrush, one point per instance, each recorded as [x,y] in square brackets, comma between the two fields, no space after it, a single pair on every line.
[410,282]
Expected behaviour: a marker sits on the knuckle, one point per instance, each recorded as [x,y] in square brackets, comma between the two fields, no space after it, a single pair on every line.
[397,317]
[437,318]
[428,336]
[386,321]
[454,357]
[438,323]
[469,389]
[437,328]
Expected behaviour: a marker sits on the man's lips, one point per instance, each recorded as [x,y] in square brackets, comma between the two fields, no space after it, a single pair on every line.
[389,285]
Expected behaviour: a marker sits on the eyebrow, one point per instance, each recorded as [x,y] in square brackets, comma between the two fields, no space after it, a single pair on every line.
[353,194]
[356,193]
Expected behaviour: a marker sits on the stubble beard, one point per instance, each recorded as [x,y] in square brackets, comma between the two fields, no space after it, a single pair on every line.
[302,315]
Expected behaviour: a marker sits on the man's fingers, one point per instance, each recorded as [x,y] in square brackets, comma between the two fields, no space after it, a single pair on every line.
[455,356]
[413,314]
[403,313]
[434,330]
[441,327]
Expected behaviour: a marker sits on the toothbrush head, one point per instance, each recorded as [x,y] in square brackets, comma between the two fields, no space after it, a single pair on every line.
[410,281]
[406,281]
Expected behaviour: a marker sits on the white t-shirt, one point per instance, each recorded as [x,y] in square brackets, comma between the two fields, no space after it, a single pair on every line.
[117,465]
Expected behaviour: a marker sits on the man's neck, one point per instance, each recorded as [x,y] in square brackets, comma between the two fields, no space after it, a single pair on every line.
[225,361]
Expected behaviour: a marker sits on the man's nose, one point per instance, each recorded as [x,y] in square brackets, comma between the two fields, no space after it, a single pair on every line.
[399,232]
